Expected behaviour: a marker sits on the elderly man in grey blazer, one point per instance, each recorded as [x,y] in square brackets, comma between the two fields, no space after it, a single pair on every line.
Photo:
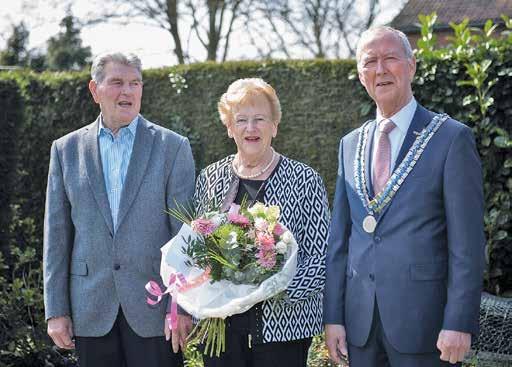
[109,185]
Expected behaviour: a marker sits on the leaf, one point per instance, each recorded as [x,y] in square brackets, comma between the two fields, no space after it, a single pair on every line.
[509,184]
[502,142]
[469,99]
[501,235]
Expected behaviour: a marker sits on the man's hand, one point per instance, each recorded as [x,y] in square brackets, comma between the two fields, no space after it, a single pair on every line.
[336,342]
[453,345]
[179,336]
[60,330]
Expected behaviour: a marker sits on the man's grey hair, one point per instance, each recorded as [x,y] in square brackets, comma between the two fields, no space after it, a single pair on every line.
[367,35]
[101,61]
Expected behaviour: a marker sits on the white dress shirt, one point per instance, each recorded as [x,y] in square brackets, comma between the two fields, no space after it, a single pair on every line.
[402,119]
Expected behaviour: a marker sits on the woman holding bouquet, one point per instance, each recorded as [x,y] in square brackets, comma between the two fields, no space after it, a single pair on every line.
[275,332]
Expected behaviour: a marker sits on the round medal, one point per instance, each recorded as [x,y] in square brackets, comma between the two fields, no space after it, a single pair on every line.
[369,224]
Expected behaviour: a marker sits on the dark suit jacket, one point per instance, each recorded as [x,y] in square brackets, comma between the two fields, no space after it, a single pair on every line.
[423,264]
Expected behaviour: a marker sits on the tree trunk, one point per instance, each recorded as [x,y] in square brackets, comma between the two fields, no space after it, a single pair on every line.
[172,15]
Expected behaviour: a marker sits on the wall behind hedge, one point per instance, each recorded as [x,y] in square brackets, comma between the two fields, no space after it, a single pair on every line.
[320,103]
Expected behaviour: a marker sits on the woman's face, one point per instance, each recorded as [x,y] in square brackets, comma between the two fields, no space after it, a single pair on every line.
[253,128]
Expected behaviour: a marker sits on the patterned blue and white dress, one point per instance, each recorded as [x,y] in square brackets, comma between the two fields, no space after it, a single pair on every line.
[300,193]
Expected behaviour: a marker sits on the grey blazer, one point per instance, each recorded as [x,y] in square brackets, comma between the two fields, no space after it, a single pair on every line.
[90,270]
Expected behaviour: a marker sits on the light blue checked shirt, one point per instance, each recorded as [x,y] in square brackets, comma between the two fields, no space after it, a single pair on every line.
[115,154]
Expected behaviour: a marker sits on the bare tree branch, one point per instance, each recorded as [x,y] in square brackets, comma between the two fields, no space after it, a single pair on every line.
[234,15]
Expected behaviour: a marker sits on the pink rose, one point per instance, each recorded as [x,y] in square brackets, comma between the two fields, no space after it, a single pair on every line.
[265,240]
[203,226]
[239,219]
[279,230]
[266,258]
[235,217]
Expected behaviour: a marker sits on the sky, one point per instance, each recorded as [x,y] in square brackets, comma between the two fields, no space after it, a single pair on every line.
[153,45]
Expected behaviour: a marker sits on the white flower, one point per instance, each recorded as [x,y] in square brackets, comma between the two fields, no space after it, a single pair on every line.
[281,247]
[257,209]
[287,237]
[273,213]
[260,224]
[232,239]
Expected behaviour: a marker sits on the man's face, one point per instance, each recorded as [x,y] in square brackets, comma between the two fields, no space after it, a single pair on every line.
[386,72]
[118,94]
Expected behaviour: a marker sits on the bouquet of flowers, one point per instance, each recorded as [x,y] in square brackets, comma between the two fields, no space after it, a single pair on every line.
[221,264]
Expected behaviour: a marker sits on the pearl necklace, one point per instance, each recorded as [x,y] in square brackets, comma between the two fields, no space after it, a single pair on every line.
[265,169]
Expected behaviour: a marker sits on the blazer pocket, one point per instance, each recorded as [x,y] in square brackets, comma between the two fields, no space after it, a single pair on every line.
[429,271]
[78,268]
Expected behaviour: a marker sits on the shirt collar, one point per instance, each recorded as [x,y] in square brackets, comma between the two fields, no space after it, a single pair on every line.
[402,119]
[131,127]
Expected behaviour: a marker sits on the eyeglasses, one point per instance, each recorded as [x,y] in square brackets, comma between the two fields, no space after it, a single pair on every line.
[257,121]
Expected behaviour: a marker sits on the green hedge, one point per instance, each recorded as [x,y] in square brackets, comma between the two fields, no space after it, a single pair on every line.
[319,105]
[317,98]
[10,118]
[321,101]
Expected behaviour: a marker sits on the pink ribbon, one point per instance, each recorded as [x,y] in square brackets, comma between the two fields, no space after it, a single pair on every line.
[177,283]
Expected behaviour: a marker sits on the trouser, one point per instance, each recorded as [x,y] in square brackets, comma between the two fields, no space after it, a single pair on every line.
[122,347]
[240,352]
[378,352]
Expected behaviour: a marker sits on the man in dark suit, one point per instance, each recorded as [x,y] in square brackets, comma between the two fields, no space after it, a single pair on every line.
[405,256]
[109,184]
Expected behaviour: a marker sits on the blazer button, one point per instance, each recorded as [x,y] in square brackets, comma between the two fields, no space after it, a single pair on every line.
[372,277]
[117,266]
[377,239]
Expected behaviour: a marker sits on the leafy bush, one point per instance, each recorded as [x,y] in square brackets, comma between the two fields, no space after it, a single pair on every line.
[23,338]
[472,81]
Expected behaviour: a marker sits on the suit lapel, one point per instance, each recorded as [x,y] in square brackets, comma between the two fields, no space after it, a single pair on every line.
[368,158]
[139,159]
[94,170]
[420,119]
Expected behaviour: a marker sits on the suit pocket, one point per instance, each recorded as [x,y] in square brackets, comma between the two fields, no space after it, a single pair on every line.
[429,271]
[78,267]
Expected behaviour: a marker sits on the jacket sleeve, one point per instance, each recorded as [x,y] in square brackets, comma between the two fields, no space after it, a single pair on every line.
[337,251]
[312,240]
[57,241]
[464,208]
[180,185]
